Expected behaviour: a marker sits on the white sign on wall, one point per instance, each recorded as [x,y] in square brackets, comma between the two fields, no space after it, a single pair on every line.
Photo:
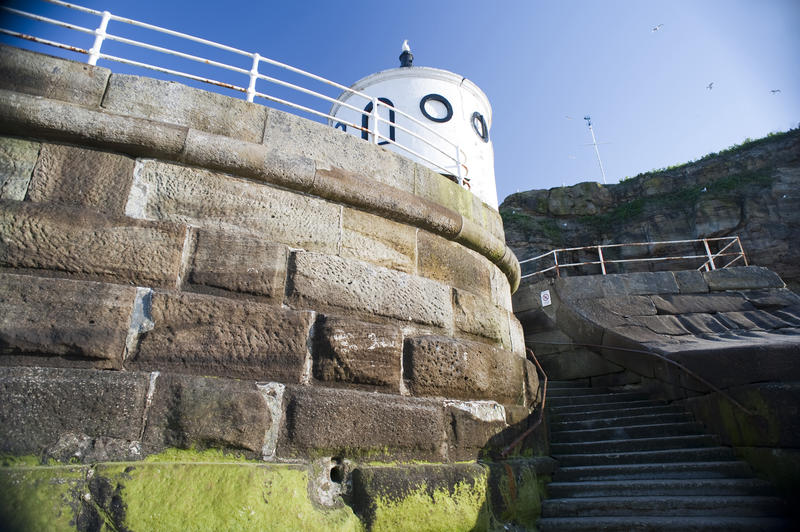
[546,301]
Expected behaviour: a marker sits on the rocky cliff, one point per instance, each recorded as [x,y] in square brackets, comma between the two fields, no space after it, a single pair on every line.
[752,190]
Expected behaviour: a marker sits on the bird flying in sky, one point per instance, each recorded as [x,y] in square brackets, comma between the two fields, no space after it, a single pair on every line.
[656,28]
[775,91]
[710,86]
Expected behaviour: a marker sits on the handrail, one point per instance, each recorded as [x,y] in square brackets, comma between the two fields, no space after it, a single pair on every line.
[603,261]
[433,139]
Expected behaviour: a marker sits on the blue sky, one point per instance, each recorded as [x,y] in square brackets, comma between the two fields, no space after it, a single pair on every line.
[543,64]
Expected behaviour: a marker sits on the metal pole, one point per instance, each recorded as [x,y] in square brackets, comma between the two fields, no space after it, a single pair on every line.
[594,143]
[555,259]
[251,89]
[710,256]
[602,264]
[741,249]
[375,120]
[458,165]
[99,36]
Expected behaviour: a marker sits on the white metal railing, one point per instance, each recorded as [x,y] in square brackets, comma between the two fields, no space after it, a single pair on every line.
[450,151]
[710,260]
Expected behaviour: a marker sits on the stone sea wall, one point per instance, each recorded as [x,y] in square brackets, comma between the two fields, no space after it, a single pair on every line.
[184,270]
[750,191]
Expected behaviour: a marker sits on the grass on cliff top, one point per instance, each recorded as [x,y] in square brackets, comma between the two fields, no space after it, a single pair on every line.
[744,145]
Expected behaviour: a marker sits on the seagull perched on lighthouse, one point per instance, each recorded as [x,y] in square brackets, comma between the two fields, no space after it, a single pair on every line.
[710,86]
[656,28]
[406,57]
[406,47]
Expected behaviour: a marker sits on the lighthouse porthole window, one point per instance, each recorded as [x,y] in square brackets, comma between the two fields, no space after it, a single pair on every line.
[479,125]
[435,107]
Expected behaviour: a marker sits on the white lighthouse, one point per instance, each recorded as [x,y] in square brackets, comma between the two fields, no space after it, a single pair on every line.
[453,118]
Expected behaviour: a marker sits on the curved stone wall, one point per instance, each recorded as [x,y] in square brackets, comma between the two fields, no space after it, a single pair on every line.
[252,280]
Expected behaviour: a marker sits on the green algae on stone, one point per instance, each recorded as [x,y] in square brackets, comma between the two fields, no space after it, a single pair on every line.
[225,496]
[40,498]
[419,511]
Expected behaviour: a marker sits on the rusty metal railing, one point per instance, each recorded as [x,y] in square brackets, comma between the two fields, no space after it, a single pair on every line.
[454,162]
[728,251]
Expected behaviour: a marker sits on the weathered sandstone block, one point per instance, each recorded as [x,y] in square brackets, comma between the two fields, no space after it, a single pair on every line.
[478,316]
[453,264]
[349,423]
[85,244]
[355,352]
[201,412]
[330,282]
[85,178]
[459,369]
[742,278]
[51,77]
[208,335]
[210,200]
[473,427]
[176,103]
[86,323]
[378,241]
[17,158]
[238,263]
[41,404]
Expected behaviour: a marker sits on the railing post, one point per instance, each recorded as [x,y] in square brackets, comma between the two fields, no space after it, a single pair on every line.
[251,89]
[710,256]
[555,259]
[375,103]
[458,165]
[99,36]
[741,250]
[602,264]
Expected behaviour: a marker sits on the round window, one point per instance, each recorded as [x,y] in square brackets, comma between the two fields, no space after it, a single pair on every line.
[435,107]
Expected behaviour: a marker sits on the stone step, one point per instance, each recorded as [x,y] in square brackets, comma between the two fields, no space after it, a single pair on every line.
[551,385]
[706,454]
[601,407]
[665,505]
[616,412]
[663,524]
[623,433]
[648,419]
[635,488]
[635,444]
[573,392]
[596,399]
[671,470]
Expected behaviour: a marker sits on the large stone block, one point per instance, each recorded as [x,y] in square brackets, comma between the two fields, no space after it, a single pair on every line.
[689,303]
[460,369]
[40,405]
[501,291]
[576,363]
[86,244]
[691,282]
[208,335]
[355,424]
[453,264]
[379,241]
[17,158]
[63,322]
[29,116]
[478,316]
[442,496]
[247,159]
[329,282]
[176,103]
[332,148]
[354,352]
[742,278]
[201,412]
[210,200]
[237,263]
[644,283]
[474,429]
[51,77]
[85,178]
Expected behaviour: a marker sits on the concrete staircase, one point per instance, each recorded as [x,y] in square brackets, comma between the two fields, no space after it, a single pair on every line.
[631,463]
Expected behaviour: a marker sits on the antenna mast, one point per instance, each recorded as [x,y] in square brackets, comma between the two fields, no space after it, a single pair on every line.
[594,143]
